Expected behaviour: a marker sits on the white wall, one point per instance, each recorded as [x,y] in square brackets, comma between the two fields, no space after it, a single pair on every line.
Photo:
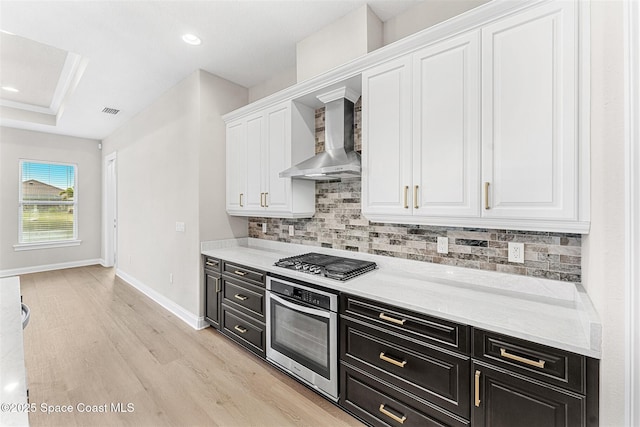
[424,15]
[16,144]
[169,161]
[603,249]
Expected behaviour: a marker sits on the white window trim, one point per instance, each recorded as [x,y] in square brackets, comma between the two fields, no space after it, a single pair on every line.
[74,241]
[46,245]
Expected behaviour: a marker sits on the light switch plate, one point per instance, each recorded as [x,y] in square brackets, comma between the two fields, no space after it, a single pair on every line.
[516,252]
[292,230]
[443,245]
[264,227]
[180,227]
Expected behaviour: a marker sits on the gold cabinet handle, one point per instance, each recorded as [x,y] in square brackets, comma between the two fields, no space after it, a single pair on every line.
[241,297]
[486,195]
[415,197]
[211,264]
[406,203]
[240,329]
[392,416]
[392,319]
[262,200]
[217,284]
[266,205]
[538,364]
[477,389]
[241,195]
[392,360]
[240,273]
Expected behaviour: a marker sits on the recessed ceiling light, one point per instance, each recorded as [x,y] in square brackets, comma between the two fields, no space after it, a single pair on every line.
[10,89]
[191,39]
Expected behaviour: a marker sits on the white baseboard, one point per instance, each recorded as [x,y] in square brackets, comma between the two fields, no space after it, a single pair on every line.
[48,267]
[186,316]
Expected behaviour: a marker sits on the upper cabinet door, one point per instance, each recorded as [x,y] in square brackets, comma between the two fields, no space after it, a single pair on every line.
[386,138]
[529,115]
[278,157]
[446,132]
[255,154]
[236,166]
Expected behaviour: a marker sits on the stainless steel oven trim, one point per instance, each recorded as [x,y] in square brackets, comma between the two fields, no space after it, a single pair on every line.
[328,387]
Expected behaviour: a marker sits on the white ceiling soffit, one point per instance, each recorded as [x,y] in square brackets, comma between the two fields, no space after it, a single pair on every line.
[135,53]
[35,79]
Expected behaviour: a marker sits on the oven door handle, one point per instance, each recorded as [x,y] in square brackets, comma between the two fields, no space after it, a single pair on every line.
[293,306]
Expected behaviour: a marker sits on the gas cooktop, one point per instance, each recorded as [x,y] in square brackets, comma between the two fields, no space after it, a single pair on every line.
[333,267]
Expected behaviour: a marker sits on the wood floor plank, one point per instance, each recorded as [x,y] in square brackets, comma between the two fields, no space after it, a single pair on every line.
[94,340]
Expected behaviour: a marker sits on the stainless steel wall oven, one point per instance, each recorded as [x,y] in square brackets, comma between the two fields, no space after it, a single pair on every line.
[302,333]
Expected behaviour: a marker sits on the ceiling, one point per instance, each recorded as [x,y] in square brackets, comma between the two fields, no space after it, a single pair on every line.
[72,59]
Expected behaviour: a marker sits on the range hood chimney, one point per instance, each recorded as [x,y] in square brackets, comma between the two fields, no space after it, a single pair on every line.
[338,160]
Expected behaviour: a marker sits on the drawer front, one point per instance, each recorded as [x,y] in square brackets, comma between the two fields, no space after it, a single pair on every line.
[439,376]
[212,264]
[245,297]
[379,404]
[255,277]
[430,329]
[240,328]
[551,365]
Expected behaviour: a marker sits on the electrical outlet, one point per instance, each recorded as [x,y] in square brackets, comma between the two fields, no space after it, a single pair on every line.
[516,252]
[264,227]
[292,231]
[180,227]
[443,245]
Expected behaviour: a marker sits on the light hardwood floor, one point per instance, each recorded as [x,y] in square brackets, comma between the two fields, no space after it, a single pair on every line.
[94,340]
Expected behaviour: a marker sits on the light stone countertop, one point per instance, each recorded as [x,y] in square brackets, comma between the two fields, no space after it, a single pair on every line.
[13,387]
[554,313]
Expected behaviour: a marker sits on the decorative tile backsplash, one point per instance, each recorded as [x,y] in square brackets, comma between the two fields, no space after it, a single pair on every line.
[338,223]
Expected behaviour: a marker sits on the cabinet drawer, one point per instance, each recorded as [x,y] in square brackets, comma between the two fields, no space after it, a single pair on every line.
[211,264]
[244,297]
[430,329]
[242,329]
[381,404]
[551,365]
[436,375]
[253,276]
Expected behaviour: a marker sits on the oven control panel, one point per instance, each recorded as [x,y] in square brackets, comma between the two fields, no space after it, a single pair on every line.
[302,294]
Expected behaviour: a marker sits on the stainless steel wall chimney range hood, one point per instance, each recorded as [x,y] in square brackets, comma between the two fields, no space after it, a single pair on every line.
[338,159]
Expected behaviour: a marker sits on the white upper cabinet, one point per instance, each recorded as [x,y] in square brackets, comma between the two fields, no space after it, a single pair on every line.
[529,83]
[386,136]
[236,166]
[274,140]
[484,129]
[446,133]
[421,136]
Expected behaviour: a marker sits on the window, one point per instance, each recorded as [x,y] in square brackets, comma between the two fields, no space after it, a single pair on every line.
[48,203]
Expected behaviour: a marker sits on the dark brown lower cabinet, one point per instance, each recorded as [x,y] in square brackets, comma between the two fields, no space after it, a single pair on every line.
[212,290]
[505,399]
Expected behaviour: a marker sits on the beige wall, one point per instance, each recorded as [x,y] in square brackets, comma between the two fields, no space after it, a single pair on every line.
[603,248]
[424,15]
[169,161]
[16,144]
[350,37]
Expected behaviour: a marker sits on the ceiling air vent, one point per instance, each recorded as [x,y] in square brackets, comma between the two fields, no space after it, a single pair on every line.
[108,110]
